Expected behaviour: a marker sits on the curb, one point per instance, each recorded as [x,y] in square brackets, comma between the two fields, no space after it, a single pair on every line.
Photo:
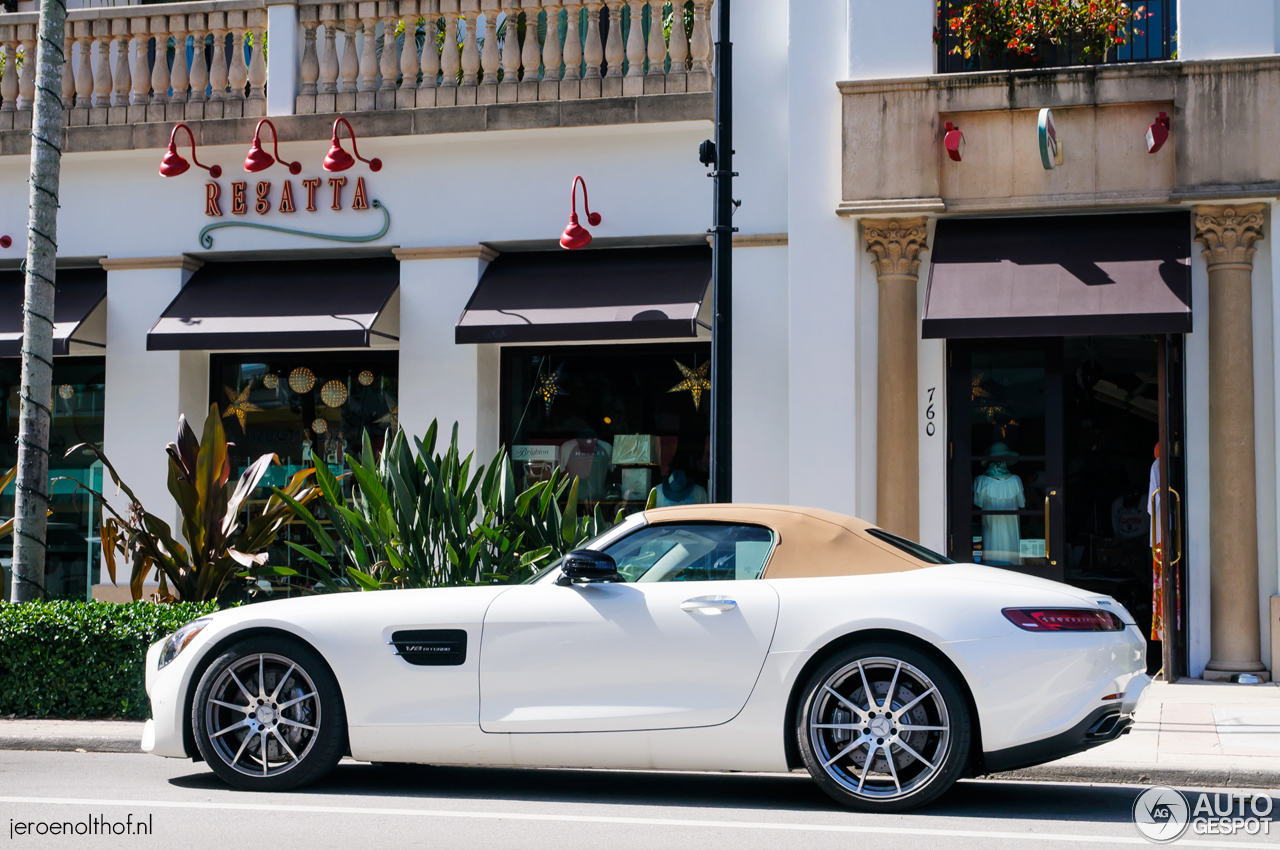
[82,743]
[1120,775]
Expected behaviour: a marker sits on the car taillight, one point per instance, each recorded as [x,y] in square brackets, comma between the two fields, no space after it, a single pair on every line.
[1064,620]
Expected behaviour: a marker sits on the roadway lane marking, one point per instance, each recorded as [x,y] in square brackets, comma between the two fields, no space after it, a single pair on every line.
[276,808]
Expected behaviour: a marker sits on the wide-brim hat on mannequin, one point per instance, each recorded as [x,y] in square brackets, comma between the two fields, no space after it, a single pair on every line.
[1000,450]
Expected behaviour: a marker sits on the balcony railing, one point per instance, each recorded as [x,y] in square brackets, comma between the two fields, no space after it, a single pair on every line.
[208,59]
[1150,39]
[443,56]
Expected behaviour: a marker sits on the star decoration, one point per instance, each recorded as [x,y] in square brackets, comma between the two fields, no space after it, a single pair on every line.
[695,381]
[240,405]
[392,417]
[549,388]
[978,391]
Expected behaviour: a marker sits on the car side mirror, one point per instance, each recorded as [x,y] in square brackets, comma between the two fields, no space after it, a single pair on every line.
[586,566]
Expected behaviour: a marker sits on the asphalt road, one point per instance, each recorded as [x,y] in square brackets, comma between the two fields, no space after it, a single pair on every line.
[362,805]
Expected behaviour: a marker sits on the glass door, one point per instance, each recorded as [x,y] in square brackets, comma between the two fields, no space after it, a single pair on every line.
[1006,454]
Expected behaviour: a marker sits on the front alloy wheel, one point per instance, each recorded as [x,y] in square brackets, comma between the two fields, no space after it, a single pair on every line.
[884,728]
[268,716]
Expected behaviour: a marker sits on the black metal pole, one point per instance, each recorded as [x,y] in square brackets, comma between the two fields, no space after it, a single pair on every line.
[722,269]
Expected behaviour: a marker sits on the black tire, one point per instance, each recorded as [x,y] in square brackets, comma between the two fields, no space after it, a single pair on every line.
[297,716]
[926,757]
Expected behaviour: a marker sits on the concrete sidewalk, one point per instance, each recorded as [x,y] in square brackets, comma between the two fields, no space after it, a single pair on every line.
[91,736]
[1192,733]
[1189,733]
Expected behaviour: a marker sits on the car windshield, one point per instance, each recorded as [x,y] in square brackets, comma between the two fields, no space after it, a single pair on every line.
[693,552]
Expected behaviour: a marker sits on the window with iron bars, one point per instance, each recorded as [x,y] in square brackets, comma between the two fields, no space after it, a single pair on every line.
[1151,39]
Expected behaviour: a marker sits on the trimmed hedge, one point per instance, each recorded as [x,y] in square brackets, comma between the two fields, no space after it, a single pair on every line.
[82,659]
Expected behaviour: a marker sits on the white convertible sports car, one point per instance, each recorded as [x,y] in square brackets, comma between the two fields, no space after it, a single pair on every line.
[708,637]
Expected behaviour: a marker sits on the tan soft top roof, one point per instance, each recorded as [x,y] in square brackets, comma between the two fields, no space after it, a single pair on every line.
[811,542]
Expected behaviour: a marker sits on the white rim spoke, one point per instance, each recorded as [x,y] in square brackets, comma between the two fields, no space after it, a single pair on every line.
[289,722]
[893,683]
[914,754]
[906,728]
[231,705]
[283,679]
[893,770]
[232,727]
[291,703]
[866,688]
[857,743]
[240,684]
[837,726]
[916,701]
[264,752]
[262,681]
[284,744]
[862,778]
[240,751]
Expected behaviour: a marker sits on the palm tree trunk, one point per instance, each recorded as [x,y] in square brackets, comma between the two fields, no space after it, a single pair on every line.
[34,413]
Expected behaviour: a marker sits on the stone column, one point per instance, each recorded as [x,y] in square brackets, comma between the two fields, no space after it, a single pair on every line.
[1229,234]
[896,244]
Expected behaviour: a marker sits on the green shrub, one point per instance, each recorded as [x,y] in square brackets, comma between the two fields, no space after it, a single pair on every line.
[82,659]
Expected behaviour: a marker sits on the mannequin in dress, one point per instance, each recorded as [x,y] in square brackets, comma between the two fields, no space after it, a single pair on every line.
[998,489]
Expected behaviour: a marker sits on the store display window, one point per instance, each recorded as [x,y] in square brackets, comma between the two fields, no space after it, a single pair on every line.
[631,422]
[305,407]
[74,551]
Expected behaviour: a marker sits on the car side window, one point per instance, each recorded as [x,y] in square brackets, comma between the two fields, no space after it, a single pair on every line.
[693,552]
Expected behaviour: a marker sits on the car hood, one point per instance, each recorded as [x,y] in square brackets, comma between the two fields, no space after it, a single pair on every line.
[995,575]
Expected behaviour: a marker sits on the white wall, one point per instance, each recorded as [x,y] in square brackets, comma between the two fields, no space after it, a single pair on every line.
[1214,29]
[821,256]
[146,390]
[760,425]
[440,379]
[888,40]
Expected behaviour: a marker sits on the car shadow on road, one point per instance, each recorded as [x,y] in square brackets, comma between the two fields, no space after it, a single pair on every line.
[772,792]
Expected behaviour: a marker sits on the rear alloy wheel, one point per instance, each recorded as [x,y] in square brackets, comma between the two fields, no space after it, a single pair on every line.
[884,728]
[268,715]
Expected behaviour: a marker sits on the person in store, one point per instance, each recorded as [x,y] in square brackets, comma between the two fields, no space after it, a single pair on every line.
[998,489]
[1157,589]
[589,459]
[306,447]
[676,489]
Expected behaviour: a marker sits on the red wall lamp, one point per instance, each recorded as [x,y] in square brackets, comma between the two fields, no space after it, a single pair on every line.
[260,160]
[174,163]
[575,235]
[1158,133]
[338,159]
[953,141]
[5,241]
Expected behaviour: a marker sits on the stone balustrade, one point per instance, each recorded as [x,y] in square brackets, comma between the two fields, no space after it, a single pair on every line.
[205,60]
[132,64]
[461,52]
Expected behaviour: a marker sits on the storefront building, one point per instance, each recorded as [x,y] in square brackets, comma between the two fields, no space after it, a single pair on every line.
[1029,322]
[980,354]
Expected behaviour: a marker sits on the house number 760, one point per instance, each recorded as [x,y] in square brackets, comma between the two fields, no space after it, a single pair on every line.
[929,427]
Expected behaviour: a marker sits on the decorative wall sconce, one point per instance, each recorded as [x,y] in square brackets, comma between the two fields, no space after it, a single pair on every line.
[6,241]
[260,160]
[575,235]
[953,141]
[1158,133]
[338,159]
[174,163]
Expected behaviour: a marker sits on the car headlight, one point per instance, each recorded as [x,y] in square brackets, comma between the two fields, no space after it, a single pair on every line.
[178,641]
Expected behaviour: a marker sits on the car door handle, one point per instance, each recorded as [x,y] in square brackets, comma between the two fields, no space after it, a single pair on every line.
[705,604]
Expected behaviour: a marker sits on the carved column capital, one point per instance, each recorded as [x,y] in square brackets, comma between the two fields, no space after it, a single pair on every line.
[896,244]
[1229,233]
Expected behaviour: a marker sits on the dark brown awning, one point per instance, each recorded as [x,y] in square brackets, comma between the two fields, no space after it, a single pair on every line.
[79,312]
[605,294]
[1060,276]
[283,305]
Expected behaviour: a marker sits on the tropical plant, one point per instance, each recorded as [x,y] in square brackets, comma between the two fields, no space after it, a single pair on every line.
[219,545]
[427,519]
[996,28]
